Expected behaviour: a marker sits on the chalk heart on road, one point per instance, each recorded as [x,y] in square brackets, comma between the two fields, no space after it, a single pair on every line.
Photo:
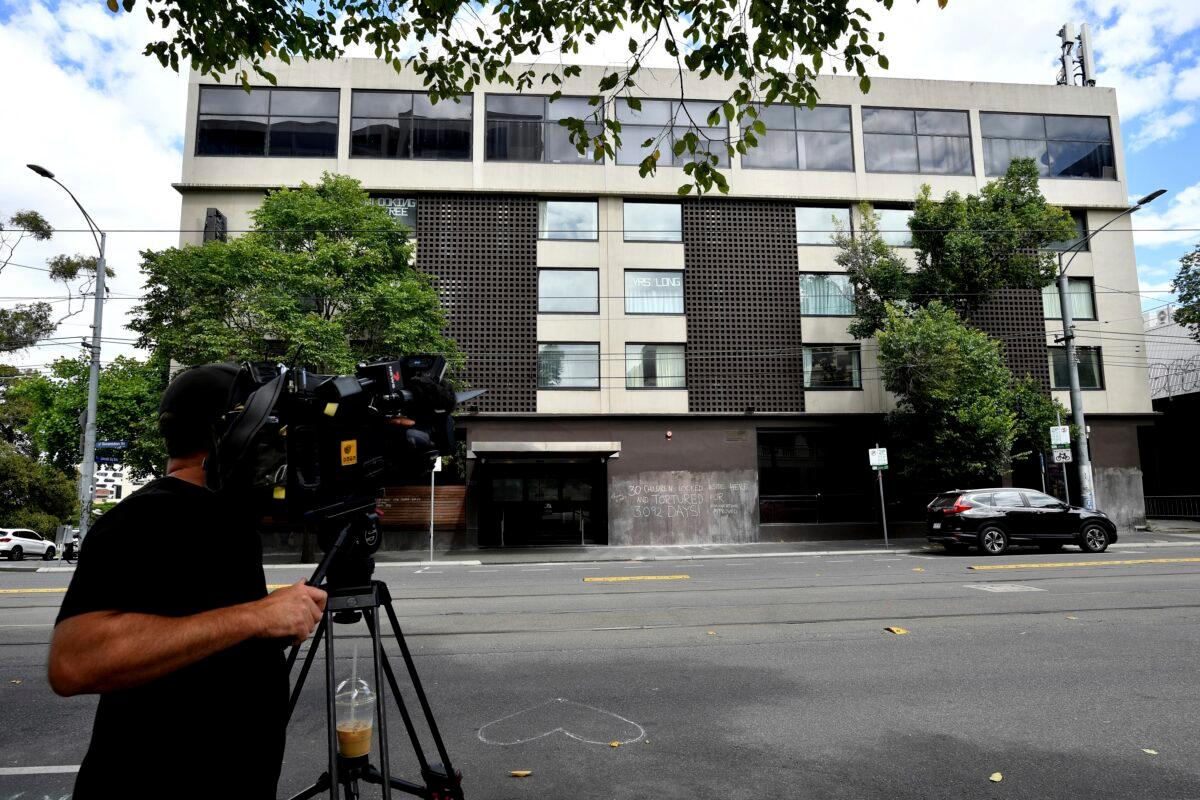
[577,721]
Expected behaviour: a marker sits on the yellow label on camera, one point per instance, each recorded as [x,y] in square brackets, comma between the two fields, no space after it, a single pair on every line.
[330,409]
[279,492]
[349,452]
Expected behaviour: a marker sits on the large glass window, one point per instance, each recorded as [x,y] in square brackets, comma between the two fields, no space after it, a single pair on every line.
[409,125]
[1080,298]
[664,122]
[1091,368]
[568,219]
[924,142]
[832,366]
[568,291]
[893,226]
[569,365]
[653,222]
[826,294]
[267,122]
[1078,242]
[523,128]
[653,292]
[654,366]
[1062,146]
[803,138]
[818,225]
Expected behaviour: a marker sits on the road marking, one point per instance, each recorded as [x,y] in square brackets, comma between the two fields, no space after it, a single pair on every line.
[483,570]
[1076,564]
[58,770]
[35,590]
[623,578]
[1002,587]
[838,561]
[536,569]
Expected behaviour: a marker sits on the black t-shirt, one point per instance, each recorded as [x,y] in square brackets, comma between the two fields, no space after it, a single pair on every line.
[216,727]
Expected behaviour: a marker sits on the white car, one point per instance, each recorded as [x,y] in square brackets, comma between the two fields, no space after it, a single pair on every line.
[16,543]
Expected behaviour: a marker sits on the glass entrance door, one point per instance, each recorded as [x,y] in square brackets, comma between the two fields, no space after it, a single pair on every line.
[543,503]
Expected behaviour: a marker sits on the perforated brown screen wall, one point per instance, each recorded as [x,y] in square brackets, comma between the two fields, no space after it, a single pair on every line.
[483,251]
[1014,316]
[742,300]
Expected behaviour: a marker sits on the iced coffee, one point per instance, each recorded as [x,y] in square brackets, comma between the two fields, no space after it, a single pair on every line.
[355,704]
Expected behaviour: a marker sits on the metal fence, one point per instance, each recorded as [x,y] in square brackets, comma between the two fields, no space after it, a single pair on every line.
[1173,506]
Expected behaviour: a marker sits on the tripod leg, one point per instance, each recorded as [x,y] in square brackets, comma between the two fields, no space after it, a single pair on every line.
[330,708]
[420,692]
[404,715]
[380,709]
[313,647]
[317,788]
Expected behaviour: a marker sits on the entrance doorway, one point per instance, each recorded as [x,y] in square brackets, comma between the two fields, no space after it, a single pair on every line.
[547,502]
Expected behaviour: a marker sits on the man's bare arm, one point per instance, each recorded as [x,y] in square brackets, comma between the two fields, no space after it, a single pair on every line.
[106,651]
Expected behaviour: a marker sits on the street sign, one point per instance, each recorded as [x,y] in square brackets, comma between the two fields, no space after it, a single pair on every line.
[1062,456]
[878,457]
[1060,435]
[108,459]
[117,444]
[437,464]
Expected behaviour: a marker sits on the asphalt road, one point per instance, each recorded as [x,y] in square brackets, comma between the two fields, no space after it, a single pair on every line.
[757,677]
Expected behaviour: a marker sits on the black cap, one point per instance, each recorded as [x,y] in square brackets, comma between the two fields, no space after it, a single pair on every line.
[199,395]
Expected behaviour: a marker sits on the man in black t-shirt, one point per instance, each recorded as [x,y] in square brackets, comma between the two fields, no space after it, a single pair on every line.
[169,620]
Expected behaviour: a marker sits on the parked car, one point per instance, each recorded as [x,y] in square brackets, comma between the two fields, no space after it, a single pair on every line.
[16,543]
[995,519]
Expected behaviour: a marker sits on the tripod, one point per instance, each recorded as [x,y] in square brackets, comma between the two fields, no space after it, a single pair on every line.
[354,596]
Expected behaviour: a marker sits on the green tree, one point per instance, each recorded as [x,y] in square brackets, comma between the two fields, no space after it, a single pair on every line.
[324,278]
[766,51]
[877,274]
[968,247]
[955,396]
[33,494]
[1187,287]
[127,409]
[1035,412]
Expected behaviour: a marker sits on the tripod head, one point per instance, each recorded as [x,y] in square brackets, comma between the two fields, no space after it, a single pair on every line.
[348,533]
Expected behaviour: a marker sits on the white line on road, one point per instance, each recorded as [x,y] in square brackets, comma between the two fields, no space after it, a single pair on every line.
[483,570]
[838,561]
[536,569]
[1002,587]
[58,770]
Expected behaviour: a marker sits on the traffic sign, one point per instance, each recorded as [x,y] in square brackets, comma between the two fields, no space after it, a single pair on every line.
[1062,456]
[117,444]
[1060,435]
[878,457]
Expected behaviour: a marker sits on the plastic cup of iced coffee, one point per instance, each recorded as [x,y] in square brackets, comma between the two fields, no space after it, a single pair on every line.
[355,705]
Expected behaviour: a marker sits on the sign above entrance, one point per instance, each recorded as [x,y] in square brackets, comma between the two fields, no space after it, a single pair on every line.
[401,208]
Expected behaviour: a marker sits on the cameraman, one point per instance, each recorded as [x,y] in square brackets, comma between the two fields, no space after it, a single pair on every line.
[168,620]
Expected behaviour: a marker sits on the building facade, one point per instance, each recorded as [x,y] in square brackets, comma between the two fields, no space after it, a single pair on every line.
[664,370]
[1168,476]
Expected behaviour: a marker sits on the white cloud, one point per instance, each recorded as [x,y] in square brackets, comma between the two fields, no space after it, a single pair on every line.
[85,103]
[1175,223]
[1187,85]
[1162,128]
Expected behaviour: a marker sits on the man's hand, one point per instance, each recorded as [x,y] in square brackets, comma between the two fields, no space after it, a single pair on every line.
[290,613]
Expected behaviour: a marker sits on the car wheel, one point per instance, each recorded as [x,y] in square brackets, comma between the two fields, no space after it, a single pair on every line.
[49,554]
[1093,539]
[1050,547]
[16,554]
[993,541]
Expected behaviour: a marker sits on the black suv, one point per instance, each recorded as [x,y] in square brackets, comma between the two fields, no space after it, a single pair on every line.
[995,519]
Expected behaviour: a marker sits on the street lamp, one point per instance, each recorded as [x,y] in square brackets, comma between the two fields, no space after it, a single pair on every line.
[88,468]
[1086,486]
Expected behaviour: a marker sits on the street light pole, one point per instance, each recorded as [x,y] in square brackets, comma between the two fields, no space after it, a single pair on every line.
[87,470]
[1086,485]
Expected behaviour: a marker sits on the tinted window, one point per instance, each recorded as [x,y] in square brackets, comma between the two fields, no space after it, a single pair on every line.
[981,498]
[893,226]
[520,128]
[568,219]
[1063,146]
[652,222]
[1008,500]
[818,225]
[563,365]
[802,138]
[267,122]
[832,367]
[1091,372]
[654,366]
[1039,500]
[664,122]
[653,292]
[409,125]
[568,291]
[908,140]
[826,294]
[1079,217]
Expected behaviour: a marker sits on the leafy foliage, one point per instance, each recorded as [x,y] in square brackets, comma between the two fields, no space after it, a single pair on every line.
[23,325]
[323,279]
[1187,287]
[127,409]
[766,51]
[33,494]
[877,274]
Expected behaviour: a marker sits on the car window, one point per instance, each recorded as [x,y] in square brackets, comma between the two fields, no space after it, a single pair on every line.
[944,500]
[1008,500]
[1039,500]
[981,498]
[24,535]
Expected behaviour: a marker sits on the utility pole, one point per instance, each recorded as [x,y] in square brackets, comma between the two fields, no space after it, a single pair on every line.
[87,469]
[1086,486]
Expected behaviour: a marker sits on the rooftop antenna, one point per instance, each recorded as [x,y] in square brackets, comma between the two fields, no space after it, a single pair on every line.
[1076,56]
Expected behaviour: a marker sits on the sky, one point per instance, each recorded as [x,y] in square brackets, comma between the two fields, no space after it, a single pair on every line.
[80,99]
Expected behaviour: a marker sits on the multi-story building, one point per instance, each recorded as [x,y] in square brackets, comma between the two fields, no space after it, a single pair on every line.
[666,370]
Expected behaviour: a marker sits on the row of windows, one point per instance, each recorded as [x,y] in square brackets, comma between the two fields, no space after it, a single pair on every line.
[576,365]
[822,294]
[523,128]
[578,220]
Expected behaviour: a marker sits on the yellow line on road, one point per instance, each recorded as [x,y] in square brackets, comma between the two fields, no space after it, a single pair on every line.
[624,578]
[34,590]
[1074,564]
